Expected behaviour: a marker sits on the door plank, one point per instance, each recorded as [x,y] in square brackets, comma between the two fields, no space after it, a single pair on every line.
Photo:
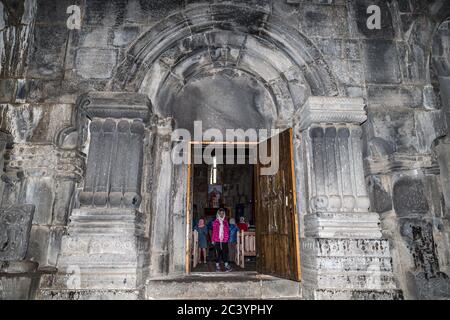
[276,220]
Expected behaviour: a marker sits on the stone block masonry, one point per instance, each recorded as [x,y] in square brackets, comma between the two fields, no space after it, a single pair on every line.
[86,116]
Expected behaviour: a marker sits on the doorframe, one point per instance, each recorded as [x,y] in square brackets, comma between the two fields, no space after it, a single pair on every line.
[296,211]
[190,170]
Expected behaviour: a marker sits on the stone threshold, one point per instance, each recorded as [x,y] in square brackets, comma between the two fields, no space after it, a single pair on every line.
[222,286]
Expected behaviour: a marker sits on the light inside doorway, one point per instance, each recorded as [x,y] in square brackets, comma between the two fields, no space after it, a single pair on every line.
[213,174]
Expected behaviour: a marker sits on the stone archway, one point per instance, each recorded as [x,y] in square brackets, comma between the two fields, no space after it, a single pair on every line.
[206,38]
[342,239]
[188,51]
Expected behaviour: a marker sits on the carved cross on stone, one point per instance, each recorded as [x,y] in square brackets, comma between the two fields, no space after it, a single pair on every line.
[15,227]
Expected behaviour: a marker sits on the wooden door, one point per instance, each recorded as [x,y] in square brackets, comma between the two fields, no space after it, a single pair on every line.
[276,218]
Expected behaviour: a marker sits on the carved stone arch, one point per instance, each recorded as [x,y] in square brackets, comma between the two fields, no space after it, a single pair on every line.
[207,38]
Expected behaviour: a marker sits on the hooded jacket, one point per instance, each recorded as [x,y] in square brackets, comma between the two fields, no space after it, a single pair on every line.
[216,228]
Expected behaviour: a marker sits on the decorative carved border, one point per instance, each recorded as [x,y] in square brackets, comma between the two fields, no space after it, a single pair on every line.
[334,110]
[116,105]
[400,162]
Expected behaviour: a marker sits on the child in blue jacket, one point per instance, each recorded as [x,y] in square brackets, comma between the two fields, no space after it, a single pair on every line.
[232,242]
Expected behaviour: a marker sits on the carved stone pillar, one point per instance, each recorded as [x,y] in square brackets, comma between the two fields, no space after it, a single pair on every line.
[161,214]
[343,254]
[19,278]
[45,175]
[444,86]
[4,139]
[106,245]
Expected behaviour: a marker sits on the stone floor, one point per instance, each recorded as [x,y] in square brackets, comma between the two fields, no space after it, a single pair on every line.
[210,266]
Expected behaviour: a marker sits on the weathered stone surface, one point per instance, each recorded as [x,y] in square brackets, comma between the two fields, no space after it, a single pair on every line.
[104,249]
[89,295]
[35,123]
[15,226]
[331,110]
[434,288]
[346,267]
[48,52]
[381,200]
[119,143]
[125,36]
[116,105]
[394,96]
[16,32]
[106,245]
[95,63]
[161,206]
[19,280]
[230,64]
[381,62]
[319,20]
[230,286]
[338,225]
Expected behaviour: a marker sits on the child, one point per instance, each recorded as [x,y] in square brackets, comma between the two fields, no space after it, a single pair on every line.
[243,226]
[221,234]
[233,239]
[202,230]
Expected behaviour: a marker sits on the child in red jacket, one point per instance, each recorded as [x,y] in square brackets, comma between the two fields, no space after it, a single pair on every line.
[220,236]
[242,225]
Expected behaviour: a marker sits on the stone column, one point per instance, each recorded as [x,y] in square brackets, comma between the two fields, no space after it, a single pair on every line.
[4,139]
[443,148]
[106,245]
[19,278]
[44,175]
[161,223]
[343,255]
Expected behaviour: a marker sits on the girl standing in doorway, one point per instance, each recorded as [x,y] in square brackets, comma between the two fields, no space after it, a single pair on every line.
[221,235]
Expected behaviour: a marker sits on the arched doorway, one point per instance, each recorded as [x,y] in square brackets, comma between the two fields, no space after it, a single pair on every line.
[278,79]
[183,65]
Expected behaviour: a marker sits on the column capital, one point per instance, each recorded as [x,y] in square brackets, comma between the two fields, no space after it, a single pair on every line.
[334,110]
[116,105]
[45,160]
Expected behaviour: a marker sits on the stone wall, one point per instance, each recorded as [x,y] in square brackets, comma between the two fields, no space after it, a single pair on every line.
[140,46]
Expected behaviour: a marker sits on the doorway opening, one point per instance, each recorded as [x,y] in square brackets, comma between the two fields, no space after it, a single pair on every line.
[229,186]
[261,206]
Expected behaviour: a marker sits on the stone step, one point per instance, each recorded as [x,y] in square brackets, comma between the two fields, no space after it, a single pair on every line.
[233,285]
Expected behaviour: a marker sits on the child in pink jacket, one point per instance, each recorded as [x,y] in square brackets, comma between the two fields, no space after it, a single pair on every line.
[220,236]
